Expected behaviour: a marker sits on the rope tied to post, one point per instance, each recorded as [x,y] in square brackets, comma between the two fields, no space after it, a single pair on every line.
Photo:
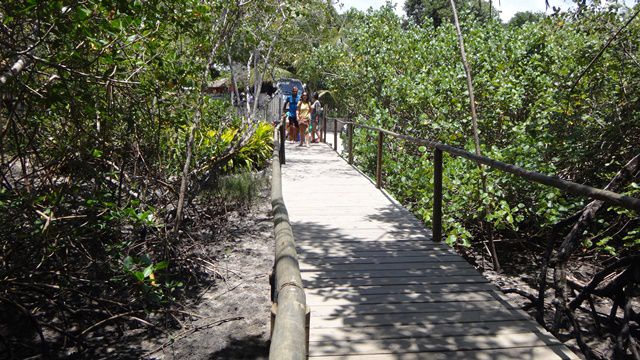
[290,283]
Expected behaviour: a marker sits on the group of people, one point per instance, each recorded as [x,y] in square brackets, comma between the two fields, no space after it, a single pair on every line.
[303,117]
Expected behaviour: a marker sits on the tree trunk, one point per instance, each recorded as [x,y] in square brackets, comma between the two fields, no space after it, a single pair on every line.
[572,241]
[474,119]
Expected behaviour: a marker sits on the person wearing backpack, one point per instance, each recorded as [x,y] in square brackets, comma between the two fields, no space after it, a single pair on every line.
[291,107]
[316,114]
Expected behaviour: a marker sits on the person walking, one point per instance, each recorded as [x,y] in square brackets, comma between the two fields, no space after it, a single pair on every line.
[304,118]
[316,113]
[291,107]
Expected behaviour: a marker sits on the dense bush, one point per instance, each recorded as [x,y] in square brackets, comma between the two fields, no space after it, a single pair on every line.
[410,79]
[101,106]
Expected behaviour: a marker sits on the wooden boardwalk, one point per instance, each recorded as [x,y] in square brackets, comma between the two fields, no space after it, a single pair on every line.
[379,288]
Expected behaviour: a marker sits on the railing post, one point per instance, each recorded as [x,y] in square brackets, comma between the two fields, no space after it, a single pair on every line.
[282,141]
[283,132]
[307,328]
[350,128]
[437,195]
[335,134]
[324,125]
[379,160]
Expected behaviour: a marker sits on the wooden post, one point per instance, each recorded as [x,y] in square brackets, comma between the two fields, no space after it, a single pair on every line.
[274,313]
[379,160]
[307,327]
[437,195]
[283,132]
[350,128]
[324,125]
[335,134]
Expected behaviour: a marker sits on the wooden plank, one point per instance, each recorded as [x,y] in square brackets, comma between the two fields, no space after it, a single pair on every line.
[337,291]
[453,343]
[394,218]
[388,273]
[549,352]
[342,209]
[376,240]
[445,317]
[370,230]
[402,308]
[378,259]
[330,231]
[306,253]
[369,226]
[317,237]
[390,297]
[388,244]
[423,330]
[305,267]
[351,209]
[340,252]
[423,280]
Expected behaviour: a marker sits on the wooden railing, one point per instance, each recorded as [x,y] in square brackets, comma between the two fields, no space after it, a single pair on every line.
[289,313]
[438,148]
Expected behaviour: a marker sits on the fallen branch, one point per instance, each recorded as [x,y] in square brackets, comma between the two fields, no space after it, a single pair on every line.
[599,277]
[186,333]
[529,296]
[571,242]
[102,322]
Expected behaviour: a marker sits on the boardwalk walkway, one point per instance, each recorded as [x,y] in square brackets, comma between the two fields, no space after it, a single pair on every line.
[379,288]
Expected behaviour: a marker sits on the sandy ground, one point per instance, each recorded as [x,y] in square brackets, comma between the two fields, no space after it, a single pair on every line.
[234,315]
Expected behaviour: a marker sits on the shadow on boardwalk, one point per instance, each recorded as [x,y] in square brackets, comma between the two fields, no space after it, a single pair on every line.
[379,288]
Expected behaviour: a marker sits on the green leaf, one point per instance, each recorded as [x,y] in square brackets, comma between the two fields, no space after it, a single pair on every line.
[84,13]
[451,239]
[148,271]
[139,275]
[162,265]
[128,263]
[116,24]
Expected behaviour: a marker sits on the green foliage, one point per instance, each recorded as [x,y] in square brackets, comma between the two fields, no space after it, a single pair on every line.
[435,12]
[258,150]
[150,278]
[523,17]
[238,191]
[95,128]
[409,79]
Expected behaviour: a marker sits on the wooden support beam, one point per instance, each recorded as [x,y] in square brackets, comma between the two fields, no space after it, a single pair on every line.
[350,127]
[335,135]
[437,195]
[379,160]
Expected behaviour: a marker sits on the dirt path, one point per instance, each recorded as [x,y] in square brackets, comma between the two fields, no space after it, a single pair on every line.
[233,316]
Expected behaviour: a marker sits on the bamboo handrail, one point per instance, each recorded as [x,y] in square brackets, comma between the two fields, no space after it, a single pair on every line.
[289,338]
[607,196]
